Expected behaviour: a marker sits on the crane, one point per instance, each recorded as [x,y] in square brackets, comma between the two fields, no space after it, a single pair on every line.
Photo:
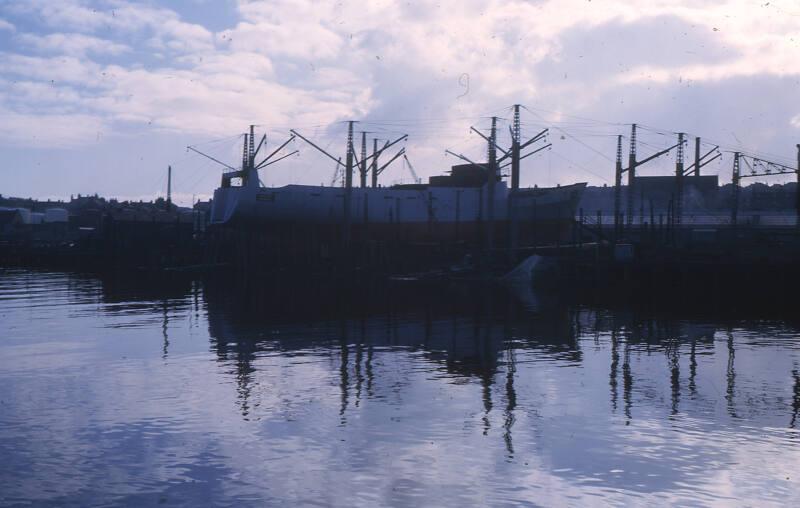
[336,172]
[411,169]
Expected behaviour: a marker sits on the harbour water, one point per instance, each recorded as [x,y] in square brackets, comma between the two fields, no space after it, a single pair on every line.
[191,392]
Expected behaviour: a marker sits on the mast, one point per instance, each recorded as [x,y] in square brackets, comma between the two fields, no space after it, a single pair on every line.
[679,181]
[363,169]
[797,189]
[516,138]
[492,180]
[515,141]
[697,156]
[169,188]
[736,182]
[251,176]
[251,148]
[245,158]
[618,190]
[348,184]
[631,173]
[374,164]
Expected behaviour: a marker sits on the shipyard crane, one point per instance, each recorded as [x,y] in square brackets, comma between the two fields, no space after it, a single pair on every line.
[336,172]
[411,169]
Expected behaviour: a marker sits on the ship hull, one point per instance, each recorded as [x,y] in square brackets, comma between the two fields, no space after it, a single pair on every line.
[432,208]
[302,224]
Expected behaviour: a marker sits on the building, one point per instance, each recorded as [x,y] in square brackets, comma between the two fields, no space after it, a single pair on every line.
[12,222]
[699,192]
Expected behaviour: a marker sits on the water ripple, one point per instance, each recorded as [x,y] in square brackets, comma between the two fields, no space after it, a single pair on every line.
[176,392]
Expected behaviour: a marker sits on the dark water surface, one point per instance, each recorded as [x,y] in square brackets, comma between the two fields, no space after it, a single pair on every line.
[193,393]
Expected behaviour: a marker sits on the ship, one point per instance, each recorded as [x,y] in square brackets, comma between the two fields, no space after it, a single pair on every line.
[447,206]
[461,207]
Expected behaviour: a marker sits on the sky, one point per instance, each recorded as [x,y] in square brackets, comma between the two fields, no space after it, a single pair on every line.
[101,96]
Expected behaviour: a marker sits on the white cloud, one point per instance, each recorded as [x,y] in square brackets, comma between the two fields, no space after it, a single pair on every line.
[56,70]
[38,96]
[305,40]
[72,44]
[69,14]
[218,95]
[120,17]
[5,25]
[51,129]
[294,63]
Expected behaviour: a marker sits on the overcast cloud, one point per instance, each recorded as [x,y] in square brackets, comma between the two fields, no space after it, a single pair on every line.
[102,96]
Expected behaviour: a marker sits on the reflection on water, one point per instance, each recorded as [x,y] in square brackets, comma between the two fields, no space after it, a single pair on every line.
[188,392]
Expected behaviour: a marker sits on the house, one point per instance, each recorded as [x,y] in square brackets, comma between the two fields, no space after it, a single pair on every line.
[12,221]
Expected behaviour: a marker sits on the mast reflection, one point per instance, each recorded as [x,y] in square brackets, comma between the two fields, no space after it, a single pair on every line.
[471,333]
[730,390]
[795,398]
